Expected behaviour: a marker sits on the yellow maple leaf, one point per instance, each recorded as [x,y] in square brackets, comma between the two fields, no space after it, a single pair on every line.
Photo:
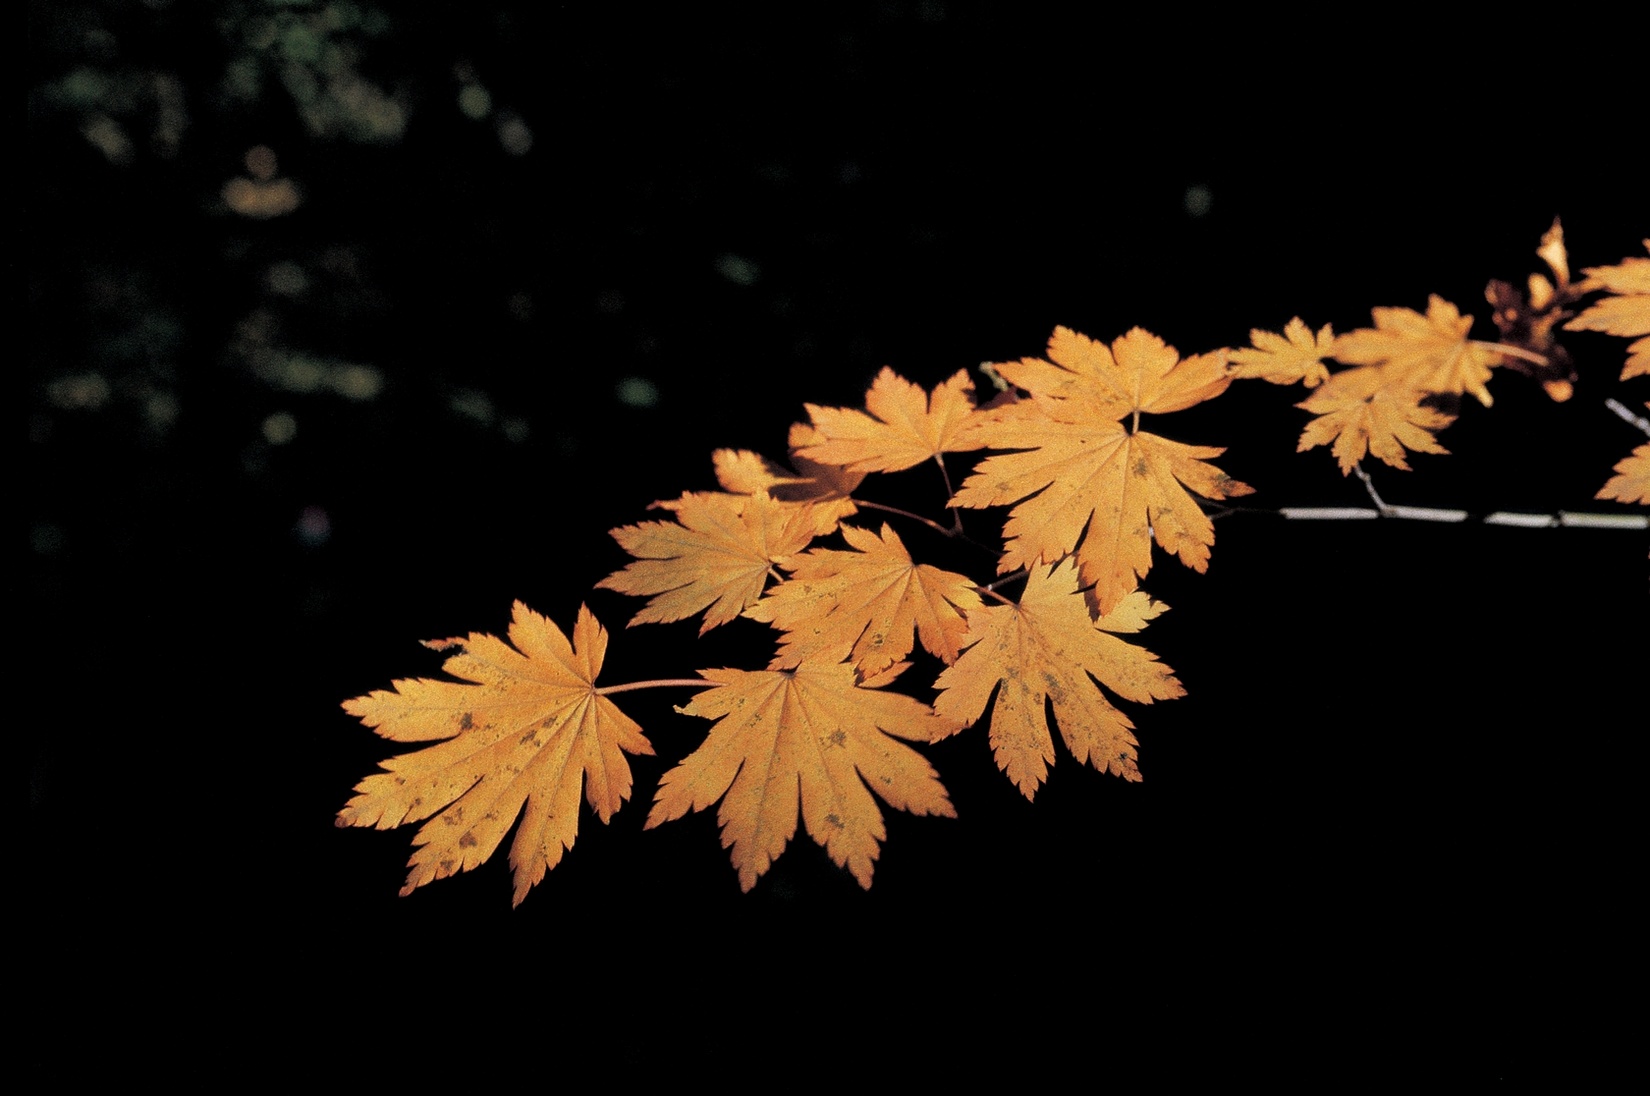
[826,487]
[716,556]
[1047,648]
[807,739]
[528,731]
[1365,410]
[1632,480]
[1625,312]
[864,605]
[1085,477]
[1287,358]
[904,427]
[1431,353]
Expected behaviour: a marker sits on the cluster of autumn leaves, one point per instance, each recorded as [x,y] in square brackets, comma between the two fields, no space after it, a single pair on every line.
[527,731]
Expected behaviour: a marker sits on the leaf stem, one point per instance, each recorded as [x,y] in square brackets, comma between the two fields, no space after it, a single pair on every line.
[950,493]
[991,587]
[934,525]
[680,682]
[956,532]
[1513,351]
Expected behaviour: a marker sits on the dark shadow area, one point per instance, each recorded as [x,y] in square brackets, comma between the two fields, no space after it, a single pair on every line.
[349,325]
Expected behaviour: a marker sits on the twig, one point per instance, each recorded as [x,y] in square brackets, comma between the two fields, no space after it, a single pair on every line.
[1562,519]
[1369,485]
[1628,413]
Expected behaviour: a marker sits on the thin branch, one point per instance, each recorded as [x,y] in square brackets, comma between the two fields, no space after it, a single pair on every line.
[1369,485]
[1628,413]
[1563,519]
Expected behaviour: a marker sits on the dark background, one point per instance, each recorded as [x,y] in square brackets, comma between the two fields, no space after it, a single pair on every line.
[545,258]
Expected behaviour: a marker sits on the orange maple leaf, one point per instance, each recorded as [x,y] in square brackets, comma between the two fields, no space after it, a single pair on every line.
[1625,311]
[1287,358]
[716,556]
[1049,647]
[827,487]
[528,730]
[1086,477]
[907,428]
[1138,373]
[864,604]
[1431,353]
[1631,483]
[807,738]
[1364,410]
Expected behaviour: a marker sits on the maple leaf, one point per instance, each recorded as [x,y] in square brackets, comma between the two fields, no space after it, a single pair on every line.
[1364,410]
[807,738]
[528,730]
[1085,477]
[827,487]
[1632,480]
[1050,648]
[864,604]
[716,556]
[1287,358]
[1625,312]
[1431,353]
[904,427]
[1137,373]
